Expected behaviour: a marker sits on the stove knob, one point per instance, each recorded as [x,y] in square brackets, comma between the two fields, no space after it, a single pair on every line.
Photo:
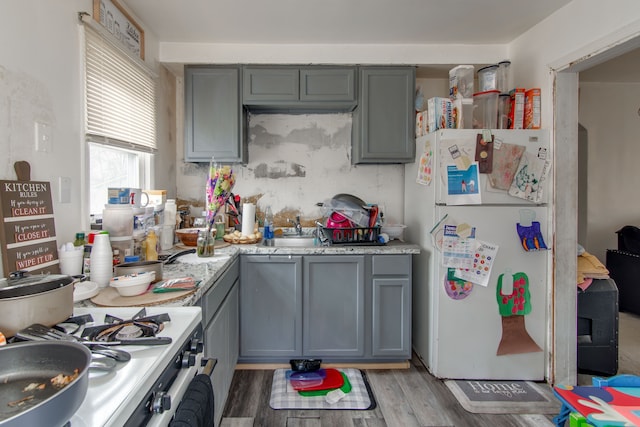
[196,345]
[188,359]
[160,402]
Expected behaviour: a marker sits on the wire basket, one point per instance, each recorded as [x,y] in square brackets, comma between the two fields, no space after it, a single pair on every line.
[352,236]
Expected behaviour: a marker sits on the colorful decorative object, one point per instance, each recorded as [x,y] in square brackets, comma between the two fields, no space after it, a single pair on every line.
[615,402]
[219,185]
[456,288]
[513,307]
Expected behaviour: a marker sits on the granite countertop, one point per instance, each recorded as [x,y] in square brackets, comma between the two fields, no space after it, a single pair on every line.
[209,270]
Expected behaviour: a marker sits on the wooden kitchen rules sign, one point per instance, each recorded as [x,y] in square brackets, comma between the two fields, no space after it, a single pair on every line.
[28,234]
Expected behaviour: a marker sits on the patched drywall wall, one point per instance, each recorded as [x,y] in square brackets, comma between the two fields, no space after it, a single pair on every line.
[296,161]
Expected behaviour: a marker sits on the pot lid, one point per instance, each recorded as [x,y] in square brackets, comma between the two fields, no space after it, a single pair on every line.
[20,284]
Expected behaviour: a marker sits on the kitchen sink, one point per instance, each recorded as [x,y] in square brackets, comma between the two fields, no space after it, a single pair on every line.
[294,241]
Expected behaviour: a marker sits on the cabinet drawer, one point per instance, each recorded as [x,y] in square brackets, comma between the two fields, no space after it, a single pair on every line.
[270,84]
[212,300]
[328,84]
[391,264]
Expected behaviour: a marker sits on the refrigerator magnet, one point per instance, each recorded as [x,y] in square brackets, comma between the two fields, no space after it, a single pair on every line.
[456,288]
[484,153]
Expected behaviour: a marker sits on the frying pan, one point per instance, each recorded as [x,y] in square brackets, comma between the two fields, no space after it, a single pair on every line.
[37,362]
[145,266]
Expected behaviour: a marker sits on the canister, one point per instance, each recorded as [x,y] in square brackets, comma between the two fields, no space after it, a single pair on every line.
[485,109]
[487,78]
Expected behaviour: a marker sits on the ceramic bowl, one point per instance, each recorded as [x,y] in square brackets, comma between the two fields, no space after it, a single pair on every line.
[393,230]
[188,236]
[133,284]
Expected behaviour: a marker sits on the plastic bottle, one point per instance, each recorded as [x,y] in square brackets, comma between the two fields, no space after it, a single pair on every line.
[268,227]
[170,211]
[150,246]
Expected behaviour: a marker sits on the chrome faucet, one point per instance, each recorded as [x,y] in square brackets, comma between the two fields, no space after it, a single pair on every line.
[296,225]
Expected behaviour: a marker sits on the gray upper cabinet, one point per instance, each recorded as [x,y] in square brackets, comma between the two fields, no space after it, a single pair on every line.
[299,89]
[384,122]
[215,121]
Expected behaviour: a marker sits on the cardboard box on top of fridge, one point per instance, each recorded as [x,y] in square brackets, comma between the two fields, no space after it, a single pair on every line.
[461,82]
[516,112]
[532,109]
[439,113]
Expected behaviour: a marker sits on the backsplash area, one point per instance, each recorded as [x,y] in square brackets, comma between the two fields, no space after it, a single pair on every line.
[296,161]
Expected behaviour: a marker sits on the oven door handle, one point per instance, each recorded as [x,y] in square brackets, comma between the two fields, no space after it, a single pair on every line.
[209,364]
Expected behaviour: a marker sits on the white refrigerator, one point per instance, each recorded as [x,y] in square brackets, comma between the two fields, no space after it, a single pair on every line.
[478,206]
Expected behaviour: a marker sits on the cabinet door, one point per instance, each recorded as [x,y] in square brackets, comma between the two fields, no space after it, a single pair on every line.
[213,115]
[270,84]
[391,317]
[270,307]
[328,84]
[333,306]
[383,123]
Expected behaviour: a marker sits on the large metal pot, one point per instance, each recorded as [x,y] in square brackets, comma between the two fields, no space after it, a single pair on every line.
[148,266]
[37,362]
[25,300]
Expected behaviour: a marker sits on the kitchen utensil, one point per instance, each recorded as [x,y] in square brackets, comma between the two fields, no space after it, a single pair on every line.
[394,230]
[37,332]
[41,332]
[333,379]
[145,266]
[133,284]
[25,299]
[25,363]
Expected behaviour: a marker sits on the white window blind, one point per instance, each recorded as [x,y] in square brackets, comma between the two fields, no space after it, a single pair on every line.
[120,97]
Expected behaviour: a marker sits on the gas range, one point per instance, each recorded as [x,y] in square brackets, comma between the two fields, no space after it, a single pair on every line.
[123,395]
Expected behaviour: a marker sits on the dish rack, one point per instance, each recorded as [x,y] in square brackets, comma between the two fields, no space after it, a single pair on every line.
[352,236]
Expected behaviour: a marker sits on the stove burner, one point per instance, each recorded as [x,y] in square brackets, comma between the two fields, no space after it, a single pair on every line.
[128,332]
[118,329]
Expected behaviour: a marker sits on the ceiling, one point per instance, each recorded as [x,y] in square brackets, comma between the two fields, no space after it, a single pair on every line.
[359,22]
[341,21]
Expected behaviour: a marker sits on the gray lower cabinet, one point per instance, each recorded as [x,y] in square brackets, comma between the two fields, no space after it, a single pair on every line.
[215,121]
[384,122]
[270,307]
[220,314]
[333,306]
[391,306]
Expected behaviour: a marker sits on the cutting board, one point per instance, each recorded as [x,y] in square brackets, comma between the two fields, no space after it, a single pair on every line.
[109,297]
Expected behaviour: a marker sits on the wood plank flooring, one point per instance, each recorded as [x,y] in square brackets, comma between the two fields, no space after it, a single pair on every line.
[405,398]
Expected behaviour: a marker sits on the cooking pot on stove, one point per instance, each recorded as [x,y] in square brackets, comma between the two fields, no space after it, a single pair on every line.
[148,266]
[27,299]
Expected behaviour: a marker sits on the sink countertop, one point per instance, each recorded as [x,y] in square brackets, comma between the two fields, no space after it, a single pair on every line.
[209,270]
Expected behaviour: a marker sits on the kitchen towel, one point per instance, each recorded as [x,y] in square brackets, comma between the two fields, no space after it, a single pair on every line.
[283,395]
[248,218]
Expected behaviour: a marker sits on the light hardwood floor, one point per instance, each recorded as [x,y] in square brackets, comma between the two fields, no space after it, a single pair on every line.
[405,398]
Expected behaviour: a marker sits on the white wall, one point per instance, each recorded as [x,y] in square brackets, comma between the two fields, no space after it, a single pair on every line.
[609,112]
[41,80]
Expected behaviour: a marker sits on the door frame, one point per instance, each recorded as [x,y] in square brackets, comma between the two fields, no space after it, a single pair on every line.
[565,135]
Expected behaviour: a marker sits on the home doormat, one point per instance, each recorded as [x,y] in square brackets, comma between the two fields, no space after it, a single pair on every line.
[360,397]
[504,397]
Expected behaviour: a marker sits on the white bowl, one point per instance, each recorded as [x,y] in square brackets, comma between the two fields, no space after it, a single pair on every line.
[393,230]
[133,284]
